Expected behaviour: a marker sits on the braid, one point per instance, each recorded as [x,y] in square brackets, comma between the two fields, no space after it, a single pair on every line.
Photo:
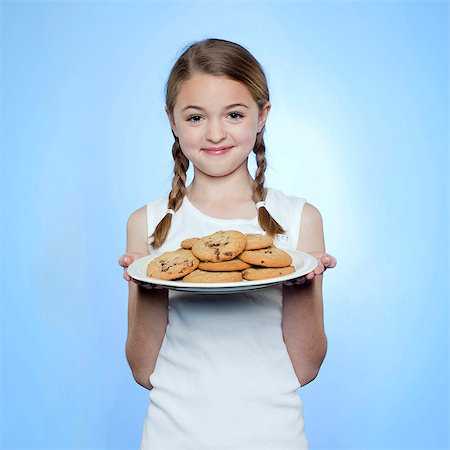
[179,179]
[266,221]
[176,195]
[259,193]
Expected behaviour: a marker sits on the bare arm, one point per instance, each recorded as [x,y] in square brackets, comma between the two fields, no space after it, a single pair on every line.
[147,310]
[302,322]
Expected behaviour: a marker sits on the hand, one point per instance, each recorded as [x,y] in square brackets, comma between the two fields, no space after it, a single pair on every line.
[126,260]
[326,261]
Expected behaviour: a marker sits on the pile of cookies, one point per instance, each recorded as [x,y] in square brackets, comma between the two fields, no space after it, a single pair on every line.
[224,256]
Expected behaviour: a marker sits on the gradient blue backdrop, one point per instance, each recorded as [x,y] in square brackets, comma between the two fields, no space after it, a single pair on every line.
[358,126]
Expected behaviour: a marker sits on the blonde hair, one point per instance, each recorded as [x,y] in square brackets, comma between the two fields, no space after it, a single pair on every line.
[223,58]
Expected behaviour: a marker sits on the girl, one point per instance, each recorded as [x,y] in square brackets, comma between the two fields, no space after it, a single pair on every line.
[223,370]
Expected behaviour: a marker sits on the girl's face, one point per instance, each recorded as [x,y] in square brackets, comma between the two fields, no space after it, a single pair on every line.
[216,121]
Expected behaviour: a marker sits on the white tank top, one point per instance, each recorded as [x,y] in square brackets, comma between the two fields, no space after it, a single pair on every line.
[223,379]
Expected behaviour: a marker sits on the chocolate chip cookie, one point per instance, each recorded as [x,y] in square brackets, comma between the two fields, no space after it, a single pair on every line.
[188,243]
[224,266]
[267,257]
[266,272]
[220,246]
[258,241]
[201,276]
[172,265]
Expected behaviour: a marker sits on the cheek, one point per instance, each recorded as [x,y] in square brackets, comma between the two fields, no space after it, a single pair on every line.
[245,135]
[249,137]
[188,137]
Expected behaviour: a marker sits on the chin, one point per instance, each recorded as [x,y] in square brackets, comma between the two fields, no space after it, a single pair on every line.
[220,169]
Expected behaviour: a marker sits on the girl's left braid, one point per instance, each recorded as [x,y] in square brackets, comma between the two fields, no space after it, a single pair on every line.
[266,221]
[259,193]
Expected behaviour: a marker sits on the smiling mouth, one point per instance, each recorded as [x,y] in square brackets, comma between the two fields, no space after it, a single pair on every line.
[217,150]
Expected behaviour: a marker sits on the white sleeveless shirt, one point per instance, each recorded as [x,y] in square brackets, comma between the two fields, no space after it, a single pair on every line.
[223,378]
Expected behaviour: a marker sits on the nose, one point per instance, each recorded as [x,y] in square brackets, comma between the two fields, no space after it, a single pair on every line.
[215,131]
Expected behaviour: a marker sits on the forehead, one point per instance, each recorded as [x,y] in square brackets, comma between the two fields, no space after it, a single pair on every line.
[209,90]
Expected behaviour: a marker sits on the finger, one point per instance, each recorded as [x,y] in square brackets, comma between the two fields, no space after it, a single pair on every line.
[124,261]
[319,269]
[126,276]
[328,261]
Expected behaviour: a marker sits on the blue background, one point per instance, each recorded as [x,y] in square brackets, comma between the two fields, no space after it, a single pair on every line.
[358,126]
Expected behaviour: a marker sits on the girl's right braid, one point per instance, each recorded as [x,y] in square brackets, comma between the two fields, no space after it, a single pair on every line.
[176,195]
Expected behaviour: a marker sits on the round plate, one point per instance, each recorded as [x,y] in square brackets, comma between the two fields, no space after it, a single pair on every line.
[303,263]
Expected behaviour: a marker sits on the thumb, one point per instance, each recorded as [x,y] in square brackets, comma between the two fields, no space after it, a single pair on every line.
[326,259]
[124,261]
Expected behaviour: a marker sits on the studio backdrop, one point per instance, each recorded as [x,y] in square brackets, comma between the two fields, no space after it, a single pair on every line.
[358,127]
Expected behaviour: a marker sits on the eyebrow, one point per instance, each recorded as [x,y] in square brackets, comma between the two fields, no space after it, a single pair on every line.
[234,105]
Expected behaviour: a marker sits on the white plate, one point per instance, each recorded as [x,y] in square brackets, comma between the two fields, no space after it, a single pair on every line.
[303,263]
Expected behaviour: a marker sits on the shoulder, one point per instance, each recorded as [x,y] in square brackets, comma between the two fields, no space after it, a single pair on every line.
[276,195]
[311,230]
[141,221]
[311,215]
[138,217]
[137,231]
[287,207]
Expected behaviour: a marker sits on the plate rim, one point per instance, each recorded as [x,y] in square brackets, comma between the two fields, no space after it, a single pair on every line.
[133,270]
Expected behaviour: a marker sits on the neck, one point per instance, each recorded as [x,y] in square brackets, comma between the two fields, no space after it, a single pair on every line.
[237,186]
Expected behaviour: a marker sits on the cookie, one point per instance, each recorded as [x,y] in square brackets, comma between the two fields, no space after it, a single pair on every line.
[172,265]
[220,246]
[267,257]
[201,276]
[188,243]
[267,272]
[257,241]
[224,266]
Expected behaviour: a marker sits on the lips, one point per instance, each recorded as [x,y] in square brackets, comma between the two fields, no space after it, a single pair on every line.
[217,150]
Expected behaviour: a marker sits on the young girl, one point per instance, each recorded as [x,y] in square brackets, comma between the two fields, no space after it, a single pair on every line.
[223,369]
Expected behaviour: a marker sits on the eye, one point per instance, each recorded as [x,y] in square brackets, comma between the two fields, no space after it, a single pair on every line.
[195,117]
[237,115]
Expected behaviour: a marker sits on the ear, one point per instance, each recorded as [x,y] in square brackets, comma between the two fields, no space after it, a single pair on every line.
[263,116]
[172,122]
